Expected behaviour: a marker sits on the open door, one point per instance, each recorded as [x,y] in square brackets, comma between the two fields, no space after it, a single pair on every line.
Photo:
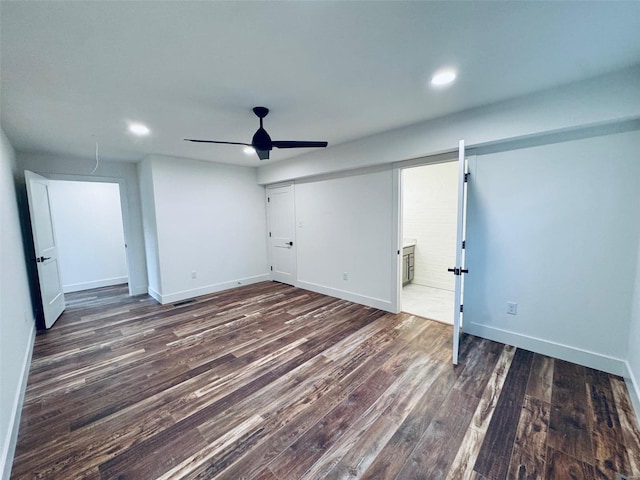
[459,269]
[281,218]
[45,247]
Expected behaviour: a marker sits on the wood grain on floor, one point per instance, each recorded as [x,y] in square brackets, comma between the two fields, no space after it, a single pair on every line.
[270,382]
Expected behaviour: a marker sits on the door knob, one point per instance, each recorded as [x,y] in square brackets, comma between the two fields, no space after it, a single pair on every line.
[289,243]
[42,259]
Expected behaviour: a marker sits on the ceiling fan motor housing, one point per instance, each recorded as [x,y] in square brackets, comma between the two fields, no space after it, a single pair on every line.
[261,140]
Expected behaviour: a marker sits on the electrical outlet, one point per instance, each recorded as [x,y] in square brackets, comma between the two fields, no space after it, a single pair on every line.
[512,308]
[345,276]
[194,275]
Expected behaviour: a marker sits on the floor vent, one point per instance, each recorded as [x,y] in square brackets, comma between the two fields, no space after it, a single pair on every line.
[184,302]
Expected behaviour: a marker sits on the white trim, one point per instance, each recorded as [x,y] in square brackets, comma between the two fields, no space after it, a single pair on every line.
[106,282]
[196,292]
[396,239]
[634,390]
[11,438]
[605,363]
[155,295]
[385,305]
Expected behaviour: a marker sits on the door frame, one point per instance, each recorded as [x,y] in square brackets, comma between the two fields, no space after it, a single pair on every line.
[397,209]
[124,208]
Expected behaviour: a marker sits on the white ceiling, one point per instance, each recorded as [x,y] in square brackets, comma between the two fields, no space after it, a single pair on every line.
[332,71]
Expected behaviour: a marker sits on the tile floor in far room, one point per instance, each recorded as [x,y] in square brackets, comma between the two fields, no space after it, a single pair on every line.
[428,302]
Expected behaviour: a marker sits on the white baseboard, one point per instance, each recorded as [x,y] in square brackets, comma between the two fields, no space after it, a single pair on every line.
[616,366]
[155,295]
[634,390]
[105,282]
[207,289]
[349,296]
[11,438]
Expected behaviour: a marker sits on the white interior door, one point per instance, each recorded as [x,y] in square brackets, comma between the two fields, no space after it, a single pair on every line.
[459,269]
[46,248]
[282,249]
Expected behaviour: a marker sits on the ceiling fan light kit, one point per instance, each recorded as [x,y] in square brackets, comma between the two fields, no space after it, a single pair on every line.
[261,141]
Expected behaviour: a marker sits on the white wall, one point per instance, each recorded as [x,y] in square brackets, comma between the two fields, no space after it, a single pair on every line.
[17,323]
[87,218]
[123,173]
[429,215]
[209,219]
[150,229]
[555,228]
[344,225]
[605,99]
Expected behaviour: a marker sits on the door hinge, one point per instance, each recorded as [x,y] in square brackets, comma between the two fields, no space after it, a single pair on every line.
[466,176]
[457,270]
[272,268]
[268,199]
[464,244]
[269,234]
[461,308]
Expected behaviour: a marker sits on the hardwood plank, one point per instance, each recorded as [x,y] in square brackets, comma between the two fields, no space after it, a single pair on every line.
[352,454]
[569,424]
[610,456]
[435,451]
[265,474]
[296,459]
[479,366]
[528,459]
[297,415]
[495,452]
[392,457]
[628,423]
[195,464]
[465,459]
[163,452]
[541,378]
[561,466]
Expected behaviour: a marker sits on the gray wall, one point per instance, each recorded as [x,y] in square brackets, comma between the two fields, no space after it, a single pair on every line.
[17,323]
[555,228]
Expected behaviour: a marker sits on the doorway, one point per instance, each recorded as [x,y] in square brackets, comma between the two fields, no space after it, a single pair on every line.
[281,241]
[429,195]
[88,223]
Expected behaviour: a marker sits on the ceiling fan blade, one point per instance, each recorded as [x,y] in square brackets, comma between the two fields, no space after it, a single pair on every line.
[298,144]
[216,141]
[263,154]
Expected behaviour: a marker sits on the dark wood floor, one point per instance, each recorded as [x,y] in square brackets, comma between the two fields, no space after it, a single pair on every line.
[271,382]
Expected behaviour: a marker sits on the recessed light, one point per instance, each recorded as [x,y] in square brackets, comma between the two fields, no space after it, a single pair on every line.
[443,77]
[249,150]
[138,129]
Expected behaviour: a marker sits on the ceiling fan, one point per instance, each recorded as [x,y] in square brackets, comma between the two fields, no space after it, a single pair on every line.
[262,142]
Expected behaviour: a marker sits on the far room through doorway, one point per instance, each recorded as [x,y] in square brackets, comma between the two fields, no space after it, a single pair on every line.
[429,215]
[88,223]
